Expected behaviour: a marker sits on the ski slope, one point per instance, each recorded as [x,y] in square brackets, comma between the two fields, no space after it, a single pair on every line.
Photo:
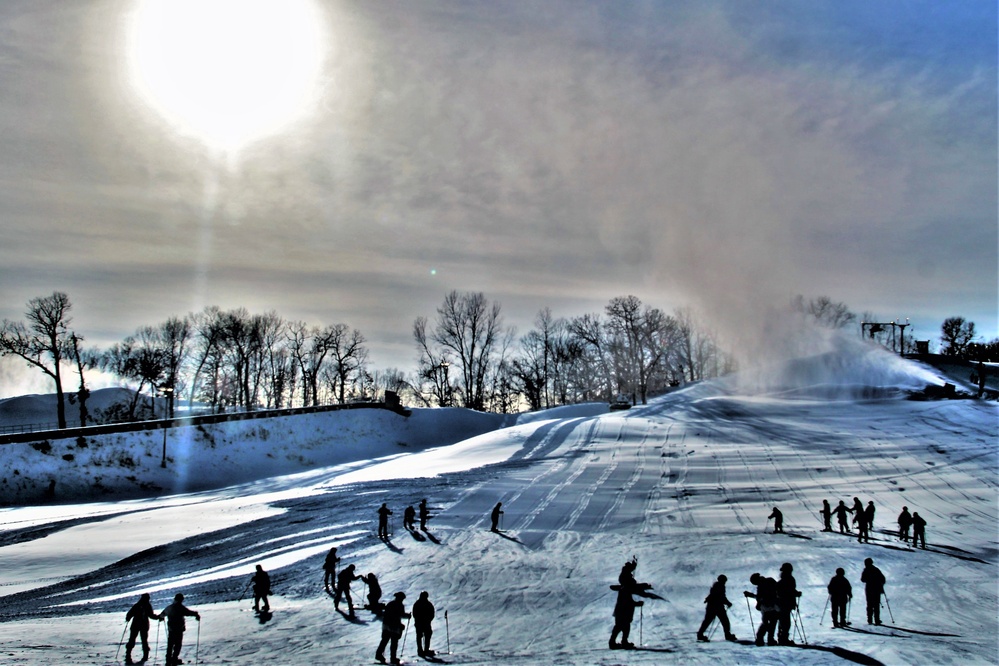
[685,484]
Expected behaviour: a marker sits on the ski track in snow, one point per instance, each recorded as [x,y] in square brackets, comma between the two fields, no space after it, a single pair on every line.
[684,483]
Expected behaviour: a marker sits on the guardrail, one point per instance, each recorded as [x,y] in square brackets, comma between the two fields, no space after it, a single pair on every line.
[159,424]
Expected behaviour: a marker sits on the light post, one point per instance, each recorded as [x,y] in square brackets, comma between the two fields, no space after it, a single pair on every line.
[447,384]
[166,391]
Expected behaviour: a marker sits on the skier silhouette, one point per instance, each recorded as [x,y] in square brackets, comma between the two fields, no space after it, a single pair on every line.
[840,593]
[826,513]
[261,589]
[139,614]
[495,516]
[716,602]
[869,515]
[329,568]
[766,603]
[918,530]
[874,588]
[841,510]
[343,581]
[383,513]
[409,518]
[174,615]
[904,521]
[624,609]
[424,514]
[778,520]
[392,626]
[787,601]
[423,616]
[375,604]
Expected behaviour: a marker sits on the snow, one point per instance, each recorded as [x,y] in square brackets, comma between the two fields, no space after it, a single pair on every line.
[685,484]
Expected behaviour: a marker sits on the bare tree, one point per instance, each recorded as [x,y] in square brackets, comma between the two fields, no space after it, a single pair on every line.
[825,311]
[42,342]
[348,355]
[956,334]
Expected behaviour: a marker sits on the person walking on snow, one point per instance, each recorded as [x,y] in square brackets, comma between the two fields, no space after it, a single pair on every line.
[174,615]
[423,616]
[261,589]
[392,627]
[841,510]
[826,514]
[904,521]
[874,588]
[766,603]
[383,513]
[343,581]
[716,602]
[778,520]
[139,614]
[840,594]
[624,608]
[787,601]
[329,568]
[918,530]
[495,516]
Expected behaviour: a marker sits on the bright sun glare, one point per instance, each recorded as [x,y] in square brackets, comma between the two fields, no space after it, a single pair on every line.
[227,71]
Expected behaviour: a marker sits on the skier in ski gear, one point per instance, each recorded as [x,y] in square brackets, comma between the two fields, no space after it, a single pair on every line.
[840,593]
[766,603]
[375,604]
[841,510]
[261,589]
[343,581]
[918,530]
[409,518]
[904,521]
[424,514]
[383,513]
[329,568]
[139,614]
[392,627]
[174,615]
[826,513]
[869,515]
[624,609]
[860,520]
[875,587]
[716,602]
[787,601]
[495,516]
[423,616]
[778,520]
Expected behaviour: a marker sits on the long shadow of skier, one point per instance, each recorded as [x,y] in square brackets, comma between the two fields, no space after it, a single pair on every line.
[391,546]
[921,633]
[416,535]
[843,653]
[432,537]
[507,536]
[353,619]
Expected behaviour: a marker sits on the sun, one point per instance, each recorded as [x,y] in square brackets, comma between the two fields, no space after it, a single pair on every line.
[226,71]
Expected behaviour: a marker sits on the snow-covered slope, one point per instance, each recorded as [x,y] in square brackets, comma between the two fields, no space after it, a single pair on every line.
[685,484]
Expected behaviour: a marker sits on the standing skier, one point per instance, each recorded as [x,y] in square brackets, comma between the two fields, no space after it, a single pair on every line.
[624,609]
[424,514]
[840,593]
[409,518]
[174,615]
[778,520]
[392,628]
[826,513]
[716,602]
[918,530]
[139,614]
[904,521]
[766,603]
[423,615]
[495,516]
[787,601]
[329,568]
[875,587]
[261,589]
[841,510]
[869,515]
[383,513]
[343,581]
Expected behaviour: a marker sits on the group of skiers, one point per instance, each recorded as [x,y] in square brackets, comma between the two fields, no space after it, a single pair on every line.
[408,518]
[142,612]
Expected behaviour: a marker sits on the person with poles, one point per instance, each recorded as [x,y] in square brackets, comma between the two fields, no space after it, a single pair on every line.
[778,518]
[174,615]
[787,602]
[716,602]
[409,518]
[766,603]
[375,604]
[343,581]
[904,521]
[329,568]
[874,587]
[423,616]
[840,594]
[139,614]
[392,628]
[918,530]
[841,510]
[383,513]
[424,514]
[494,516]
[261,581]
[826,514]
[624,608]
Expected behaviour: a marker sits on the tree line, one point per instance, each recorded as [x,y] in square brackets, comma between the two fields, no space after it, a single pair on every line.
[467,357]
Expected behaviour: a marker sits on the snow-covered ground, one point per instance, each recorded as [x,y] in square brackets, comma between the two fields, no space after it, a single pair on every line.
[685,484]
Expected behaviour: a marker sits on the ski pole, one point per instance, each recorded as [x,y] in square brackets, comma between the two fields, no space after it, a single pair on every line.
[641,623]
[121,640]
[804,638]
[403,650]
[197,644]
[889,607]
[713,627]
[824,612]
[752,627]
[156,653]
[447,629]
[244,591]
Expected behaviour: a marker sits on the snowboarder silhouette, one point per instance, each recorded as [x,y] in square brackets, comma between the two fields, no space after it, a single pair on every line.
[778,518]
[495,516]
[874,588]
[716,602]
[766,603]
[383,513]
[918,530]
[904,521]
[423,616]
[139,614]
[329,568]
[261,589]
[392,628]
[624,608]
[174,615]
[840,593]
[343,581]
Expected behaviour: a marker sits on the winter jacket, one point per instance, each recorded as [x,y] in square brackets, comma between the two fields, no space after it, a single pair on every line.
[716,598]
[140,614]
[874,579]
[423,613]
[766,594]
[839,588]
[395,613]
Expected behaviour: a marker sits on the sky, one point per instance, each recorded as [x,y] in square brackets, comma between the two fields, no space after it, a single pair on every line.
[358,164]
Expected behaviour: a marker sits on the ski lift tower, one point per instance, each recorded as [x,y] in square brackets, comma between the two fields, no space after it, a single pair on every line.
[869,329]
